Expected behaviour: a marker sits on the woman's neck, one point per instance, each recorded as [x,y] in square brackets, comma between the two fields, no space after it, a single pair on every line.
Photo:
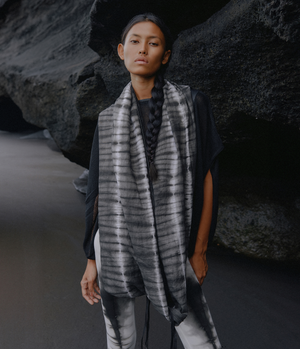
[142,86]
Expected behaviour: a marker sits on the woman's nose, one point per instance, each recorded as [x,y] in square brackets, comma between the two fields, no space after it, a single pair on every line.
[143,50]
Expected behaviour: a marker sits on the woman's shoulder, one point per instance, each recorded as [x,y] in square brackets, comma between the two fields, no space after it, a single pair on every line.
[199,97]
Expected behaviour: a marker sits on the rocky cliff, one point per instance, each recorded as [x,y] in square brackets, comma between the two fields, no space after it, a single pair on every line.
[58,66]
[48,71]
[43,49]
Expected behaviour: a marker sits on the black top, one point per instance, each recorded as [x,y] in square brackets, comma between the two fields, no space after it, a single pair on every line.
[143,106]
[209,145]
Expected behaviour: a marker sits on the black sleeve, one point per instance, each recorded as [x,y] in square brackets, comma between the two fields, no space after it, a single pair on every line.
[209,145]
[91,201]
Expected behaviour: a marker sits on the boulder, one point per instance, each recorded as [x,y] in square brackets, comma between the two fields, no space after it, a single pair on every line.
[246,57]
[43,51]
[260,218]
[263,230]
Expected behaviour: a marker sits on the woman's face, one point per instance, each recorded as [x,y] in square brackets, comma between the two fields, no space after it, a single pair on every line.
[144,50]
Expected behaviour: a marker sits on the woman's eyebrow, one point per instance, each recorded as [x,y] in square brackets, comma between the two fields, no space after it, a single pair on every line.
[148,37]
[154,37]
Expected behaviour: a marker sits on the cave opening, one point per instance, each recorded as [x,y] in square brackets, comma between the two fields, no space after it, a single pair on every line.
[260,157]
[11,117]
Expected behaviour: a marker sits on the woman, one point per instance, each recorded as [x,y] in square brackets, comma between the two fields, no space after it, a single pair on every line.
[151,200]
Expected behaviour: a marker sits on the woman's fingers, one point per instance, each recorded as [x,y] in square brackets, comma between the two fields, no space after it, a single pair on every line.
[97,293]
[93,291]
[201,280]
[88,293]
[199,265]
[89,288]
[85,291]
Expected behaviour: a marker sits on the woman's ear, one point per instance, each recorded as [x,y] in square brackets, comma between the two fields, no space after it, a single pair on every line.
[166,57]
[121,51]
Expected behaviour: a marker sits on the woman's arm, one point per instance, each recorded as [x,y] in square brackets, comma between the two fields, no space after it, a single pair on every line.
[91,216]
[198,260]
[89,287]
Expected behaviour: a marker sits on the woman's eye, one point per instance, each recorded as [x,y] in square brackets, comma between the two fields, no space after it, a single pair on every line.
[134,41]
[153,44]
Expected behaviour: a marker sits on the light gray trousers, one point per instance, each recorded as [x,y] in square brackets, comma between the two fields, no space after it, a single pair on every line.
[197,331]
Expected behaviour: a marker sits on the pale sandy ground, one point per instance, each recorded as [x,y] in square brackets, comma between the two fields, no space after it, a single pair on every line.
[254,305]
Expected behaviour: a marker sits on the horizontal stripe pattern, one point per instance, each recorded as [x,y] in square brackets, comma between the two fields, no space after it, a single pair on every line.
[142,244]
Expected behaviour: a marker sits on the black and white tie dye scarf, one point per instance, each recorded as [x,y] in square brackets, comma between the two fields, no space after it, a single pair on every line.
[144,227]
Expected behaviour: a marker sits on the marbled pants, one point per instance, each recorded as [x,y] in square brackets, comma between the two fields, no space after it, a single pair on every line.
[197,331]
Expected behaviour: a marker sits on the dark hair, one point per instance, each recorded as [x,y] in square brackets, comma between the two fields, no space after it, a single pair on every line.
[157,99]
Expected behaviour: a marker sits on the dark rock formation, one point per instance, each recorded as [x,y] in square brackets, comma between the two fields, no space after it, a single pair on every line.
[43,50]
[246,57]
[260,191]
[260,228]
[11,118]
[105,32]
[48,71]
[260,216]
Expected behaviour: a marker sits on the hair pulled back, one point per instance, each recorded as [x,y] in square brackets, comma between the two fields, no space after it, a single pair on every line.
[157,99]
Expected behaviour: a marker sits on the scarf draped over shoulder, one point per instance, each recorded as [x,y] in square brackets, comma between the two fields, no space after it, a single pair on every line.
[144,227]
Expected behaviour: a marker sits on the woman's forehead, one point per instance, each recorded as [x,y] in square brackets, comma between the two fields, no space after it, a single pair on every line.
[146,29]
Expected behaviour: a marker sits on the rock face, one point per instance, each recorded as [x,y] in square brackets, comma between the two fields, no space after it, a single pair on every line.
[43,50]
[260,217]
[264,229]
[244,54]
[57,81]
[247,58]
[13,122]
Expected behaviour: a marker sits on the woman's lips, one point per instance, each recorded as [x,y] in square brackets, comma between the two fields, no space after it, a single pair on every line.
[141,61]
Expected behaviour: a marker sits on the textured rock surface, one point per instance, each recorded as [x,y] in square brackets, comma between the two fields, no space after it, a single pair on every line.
[262,230]
[49,72]
[247,58]
[260,217]
[43,50]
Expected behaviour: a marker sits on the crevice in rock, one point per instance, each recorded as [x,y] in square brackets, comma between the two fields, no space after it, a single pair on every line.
[260,148]
[11,117]
[7,6]
[262,158]
[259,189]
[87,72]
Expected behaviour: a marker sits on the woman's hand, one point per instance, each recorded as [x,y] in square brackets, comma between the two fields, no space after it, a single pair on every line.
[199,265]
[89,287]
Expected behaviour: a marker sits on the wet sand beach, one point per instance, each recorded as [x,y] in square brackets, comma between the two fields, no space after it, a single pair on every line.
[254,305]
